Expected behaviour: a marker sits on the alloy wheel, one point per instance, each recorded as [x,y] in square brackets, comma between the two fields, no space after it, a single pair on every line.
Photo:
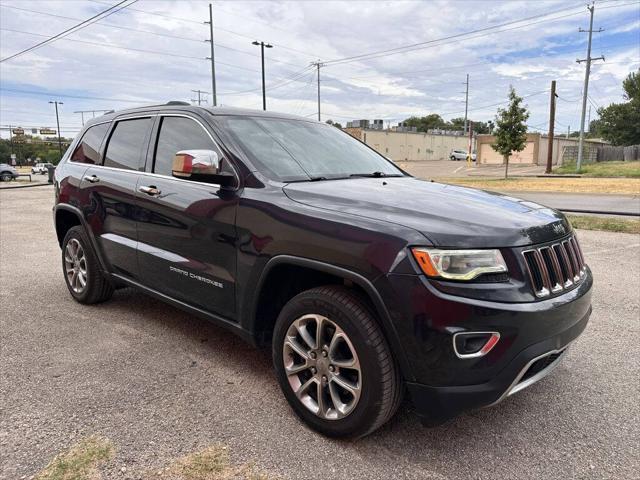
[75,266]
[322,366]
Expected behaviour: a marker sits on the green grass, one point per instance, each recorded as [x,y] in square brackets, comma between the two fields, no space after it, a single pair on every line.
[608,224]
[212,463]
[603,169]
[79,462]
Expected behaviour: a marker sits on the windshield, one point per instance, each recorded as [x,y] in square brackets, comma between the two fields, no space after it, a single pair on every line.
[294,150]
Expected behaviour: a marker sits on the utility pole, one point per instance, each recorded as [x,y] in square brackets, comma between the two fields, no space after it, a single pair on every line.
[199,92]
[470,149]
[93,112]
[11,138]
[466,103]
[318,64]
[212,57]
[56,103]
[588,60]
[552,121]
[262,47]
[589,120]
[568,130]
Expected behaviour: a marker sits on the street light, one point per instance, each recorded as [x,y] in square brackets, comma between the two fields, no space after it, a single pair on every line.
[56,103]
[262,47]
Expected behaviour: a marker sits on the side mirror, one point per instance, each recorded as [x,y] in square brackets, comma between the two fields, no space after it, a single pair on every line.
[200,165]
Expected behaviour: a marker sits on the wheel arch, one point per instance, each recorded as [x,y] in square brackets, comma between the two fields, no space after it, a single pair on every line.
[66,217]
[324,273]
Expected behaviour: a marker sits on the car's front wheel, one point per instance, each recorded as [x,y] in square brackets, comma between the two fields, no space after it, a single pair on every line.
[82,273]
[333,363]
[5,177]
[453,158]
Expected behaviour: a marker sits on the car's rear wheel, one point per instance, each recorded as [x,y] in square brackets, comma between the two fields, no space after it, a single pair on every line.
[333,363]
[5,176]
[81,269]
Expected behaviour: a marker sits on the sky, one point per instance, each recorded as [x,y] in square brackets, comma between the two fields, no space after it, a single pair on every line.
[154,51]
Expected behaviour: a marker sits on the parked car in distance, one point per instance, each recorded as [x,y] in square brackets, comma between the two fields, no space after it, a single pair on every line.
[7,172]
[41,168]
[461,155]
[365,282]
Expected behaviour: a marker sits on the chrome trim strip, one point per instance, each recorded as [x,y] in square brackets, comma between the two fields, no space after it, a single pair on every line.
[516,386]
[567,265]
[543,292]
[141,115]
[479,353]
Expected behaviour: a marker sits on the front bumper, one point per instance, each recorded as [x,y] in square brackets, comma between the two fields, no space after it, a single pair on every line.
[442,385]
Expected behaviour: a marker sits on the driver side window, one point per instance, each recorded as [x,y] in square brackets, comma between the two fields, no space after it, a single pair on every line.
[176,134]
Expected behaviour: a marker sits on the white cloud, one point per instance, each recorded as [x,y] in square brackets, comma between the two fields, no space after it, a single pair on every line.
[390,87]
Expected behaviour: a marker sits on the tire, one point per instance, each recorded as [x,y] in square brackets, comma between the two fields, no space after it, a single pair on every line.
[85,265]
[6,177]
[453,159]
[365,347]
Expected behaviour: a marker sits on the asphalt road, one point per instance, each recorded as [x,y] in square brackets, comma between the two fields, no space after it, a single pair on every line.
[450,169]
[160,384]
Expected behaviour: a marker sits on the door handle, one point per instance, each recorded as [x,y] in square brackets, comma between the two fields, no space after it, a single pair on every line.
[91,179]
[150,190]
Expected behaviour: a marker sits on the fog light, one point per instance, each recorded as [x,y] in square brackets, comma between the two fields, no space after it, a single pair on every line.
[474,344]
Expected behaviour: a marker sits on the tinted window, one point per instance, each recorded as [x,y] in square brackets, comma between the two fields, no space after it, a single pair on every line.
[290,150]
[88,149]
[178,133]
[126,144]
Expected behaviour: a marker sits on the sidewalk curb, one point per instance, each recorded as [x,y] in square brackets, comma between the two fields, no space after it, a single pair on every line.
[599,212]
[25,186]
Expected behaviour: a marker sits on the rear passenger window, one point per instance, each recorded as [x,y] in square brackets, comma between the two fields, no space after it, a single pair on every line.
[126,144]
[176,134]
[88,149]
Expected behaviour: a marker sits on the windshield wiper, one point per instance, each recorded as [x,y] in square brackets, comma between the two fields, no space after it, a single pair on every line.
[374,175]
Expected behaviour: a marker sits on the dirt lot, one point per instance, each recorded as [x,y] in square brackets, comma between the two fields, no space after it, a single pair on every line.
[160,384]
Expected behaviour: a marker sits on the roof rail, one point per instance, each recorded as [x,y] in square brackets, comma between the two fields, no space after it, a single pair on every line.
[177,102]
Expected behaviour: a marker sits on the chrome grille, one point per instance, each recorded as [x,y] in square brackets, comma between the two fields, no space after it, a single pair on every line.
[556,267]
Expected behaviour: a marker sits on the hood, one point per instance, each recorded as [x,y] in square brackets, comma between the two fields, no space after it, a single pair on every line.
[448,215]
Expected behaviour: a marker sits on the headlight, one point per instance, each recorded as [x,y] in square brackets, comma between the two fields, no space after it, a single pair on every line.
[458,264]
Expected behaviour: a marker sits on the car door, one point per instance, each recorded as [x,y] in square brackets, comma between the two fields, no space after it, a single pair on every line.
[186,229]
[109,190]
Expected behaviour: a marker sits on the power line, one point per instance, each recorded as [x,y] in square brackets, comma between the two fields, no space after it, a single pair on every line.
[79,26]
[83,97]
[493,104]
[456,37]
[189,20]
[139,50]
[108,45]
[149,32]
[419,45]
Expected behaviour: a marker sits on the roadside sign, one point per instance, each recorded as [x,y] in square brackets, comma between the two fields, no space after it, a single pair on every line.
[13,157]
[47,131]
[18,131]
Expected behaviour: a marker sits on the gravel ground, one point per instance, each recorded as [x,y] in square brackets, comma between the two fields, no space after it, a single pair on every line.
[160,384]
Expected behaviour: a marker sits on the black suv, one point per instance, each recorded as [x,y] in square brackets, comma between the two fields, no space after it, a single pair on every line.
[366,282]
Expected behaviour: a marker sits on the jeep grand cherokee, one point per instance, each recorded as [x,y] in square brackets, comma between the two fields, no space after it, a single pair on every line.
[366,282]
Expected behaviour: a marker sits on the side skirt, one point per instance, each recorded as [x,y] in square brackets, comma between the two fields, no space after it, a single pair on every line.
[215,319]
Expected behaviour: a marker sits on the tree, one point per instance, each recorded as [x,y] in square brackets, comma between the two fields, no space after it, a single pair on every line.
[511,129]
[335,124]
[619,123]
[427,122]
